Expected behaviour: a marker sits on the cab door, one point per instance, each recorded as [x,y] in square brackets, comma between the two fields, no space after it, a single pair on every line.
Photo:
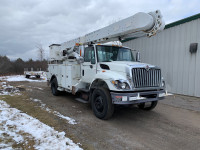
[88,69]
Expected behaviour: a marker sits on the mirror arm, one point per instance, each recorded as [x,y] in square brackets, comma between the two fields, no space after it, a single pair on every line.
[138,57]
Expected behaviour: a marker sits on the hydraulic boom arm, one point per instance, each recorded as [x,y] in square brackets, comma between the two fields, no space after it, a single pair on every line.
[140,24]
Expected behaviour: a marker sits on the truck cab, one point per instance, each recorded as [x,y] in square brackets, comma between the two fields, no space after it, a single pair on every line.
[128,81]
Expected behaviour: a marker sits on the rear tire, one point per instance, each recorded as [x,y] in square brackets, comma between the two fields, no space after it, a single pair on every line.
[54,87]
[102,104]
[152,105]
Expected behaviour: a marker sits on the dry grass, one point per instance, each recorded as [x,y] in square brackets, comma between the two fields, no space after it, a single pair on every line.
[23,103]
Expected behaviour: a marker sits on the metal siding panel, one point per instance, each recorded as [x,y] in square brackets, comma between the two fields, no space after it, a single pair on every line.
[175,58]
[186,59]
[127,44]
[151,51]
[155,53]
[181,59]
[192,67]
[169,64]
[197,71]
[164,56]
[191,58]
[151,61]
[142,49]
[157,49]
[145,50]
[160,62]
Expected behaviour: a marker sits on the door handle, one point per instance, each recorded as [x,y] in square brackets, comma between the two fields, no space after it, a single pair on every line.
[91,66]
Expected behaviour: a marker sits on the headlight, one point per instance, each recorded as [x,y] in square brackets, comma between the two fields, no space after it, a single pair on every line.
[120,84]
[162,82]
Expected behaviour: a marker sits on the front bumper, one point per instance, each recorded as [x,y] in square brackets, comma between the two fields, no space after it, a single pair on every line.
[137,97]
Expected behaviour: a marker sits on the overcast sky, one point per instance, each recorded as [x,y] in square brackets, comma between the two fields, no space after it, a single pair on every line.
[26,23]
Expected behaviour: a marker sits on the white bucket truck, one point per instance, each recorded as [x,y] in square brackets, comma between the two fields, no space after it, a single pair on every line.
[105,74]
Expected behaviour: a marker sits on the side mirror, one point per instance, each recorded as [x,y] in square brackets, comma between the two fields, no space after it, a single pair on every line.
[80,60]
[138,57]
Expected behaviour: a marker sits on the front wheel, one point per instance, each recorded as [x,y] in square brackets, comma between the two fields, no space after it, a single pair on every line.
[102,103]
[148,105]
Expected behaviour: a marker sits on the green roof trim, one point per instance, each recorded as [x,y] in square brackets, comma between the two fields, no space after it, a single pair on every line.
[170,25]
[182,21]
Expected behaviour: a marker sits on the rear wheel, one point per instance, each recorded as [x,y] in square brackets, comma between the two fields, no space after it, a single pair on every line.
[148,105]
[27,76]
[38,76]
[102,103]
[54,86]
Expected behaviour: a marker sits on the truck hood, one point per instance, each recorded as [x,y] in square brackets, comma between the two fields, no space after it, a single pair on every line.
[121,66]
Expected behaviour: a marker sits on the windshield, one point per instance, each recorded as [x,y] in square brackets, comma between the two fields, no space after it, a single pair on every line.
[113,53]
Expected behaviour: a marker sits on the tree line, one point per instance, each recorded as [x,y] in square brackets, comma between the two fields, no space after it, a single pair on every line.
[8,67]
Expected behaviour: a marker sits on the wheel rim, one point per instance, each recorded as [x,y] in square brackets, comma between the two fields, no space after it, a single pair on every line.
[99,105]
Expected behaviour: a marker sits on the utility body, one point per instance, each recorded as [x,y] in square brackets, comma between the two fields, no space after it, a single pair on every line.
[105,73]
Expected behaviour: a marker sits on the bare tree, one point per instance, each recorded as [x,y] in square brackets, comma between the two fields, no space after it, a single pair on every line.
[40,52]
[8,67]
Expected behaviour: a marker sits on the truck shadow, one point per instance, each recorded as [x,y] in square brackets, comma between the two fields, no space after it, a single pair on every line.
[122,112]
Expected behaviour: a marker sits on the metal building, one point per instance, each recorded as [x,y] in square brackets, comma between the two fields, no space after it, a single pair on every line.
[176,51]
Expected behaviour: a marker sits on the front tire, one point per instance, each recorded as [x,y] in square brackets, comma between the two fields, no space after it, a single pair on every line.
[152,106]
[102,104]
[54,87]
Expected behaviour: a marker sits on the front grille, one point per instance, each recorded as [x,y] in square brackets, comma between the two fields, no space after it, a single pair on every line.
[146,78]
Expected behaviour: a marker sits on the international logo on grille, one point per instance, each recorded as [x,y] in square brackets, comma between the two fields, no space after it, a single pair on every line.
[147,68]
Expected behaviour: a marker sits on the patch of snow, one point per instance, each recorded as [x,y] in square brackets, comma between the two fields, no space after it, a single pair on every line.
[2,83]
[39,88]
[70,120]
[36,100]
[9,90]
[21,78]
[29,90]
[48,109]
[14,123]
[43,106]
[168,94]
[5,146]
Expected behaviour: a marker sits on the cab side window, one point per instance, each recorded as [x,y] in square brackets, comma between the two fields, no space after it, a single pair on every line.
[89,55]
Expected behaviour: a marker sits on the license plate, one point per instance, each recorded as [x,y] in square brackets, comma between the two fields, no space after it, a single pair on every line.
[135,98]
